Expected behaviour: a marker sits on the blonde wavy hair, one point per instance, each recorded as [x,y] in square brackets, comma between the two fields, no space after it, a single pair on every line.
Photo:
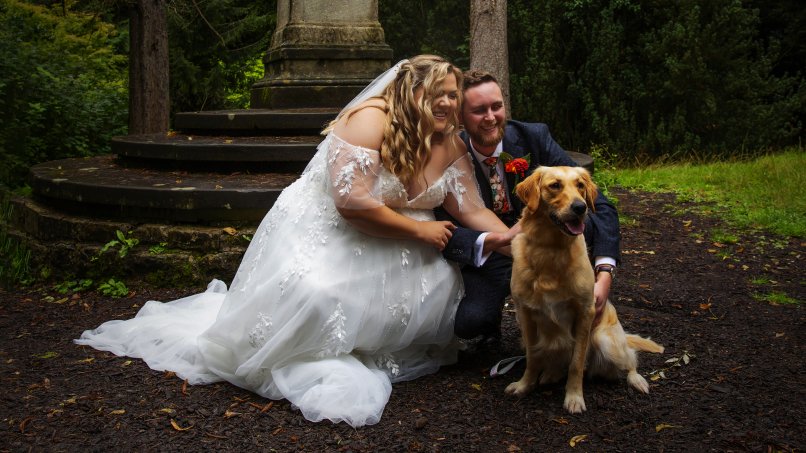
[409,127]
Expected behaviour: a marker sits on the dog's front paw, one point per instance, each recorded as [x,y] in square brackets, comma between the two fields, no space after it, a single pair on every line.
[638,382]
[518,388]
[574,404]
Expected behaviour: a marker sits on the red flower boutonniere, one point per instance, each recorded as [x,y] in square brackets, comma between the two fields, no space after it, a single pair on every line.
[516,166]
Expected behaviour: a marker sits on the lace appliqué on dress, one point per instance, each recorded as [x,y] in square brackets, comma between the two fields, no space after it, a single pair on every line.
[388,362]
[404,258]
[344,178]
[401,312]
[453,179]
[335,334]
[261,331]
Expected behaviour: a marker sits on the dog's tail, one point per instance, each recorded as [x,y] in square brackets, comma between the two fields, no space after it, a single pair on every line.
[643,344]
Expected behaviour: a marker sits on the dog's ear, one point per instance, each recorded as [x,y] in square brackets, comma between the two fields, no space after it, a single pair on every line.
[529,190]
[591,191]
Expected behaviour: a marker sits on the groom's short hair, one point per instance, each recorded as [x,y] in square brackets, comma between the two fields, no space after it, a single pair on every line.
[474,77]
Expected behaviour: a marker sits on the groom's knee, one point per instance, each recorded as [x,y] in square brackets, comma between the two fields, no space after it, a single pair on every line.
[477,319]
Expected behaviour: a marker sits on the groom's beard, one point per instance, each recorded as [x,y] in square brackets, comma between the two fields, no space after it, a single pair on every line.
[490,139]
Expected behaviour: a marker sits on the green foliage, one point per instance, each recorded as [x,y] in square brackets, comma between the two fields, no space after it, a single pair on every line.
[124,244]
[414,27]
[158,249]
[216,51]
[760,280]
[73,286]
[14,256]
[62,90]
[724,237]
[113,288]
[761,193]
[604,169]
[777,298]
[651,79]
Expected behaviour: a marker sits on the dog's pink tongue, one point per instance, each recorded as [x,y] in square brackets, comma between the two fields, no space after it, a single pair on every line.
[575,228]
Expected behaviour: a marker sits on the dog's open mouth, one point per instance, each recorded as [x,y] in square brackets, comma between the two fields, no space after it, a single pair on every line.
[573,227]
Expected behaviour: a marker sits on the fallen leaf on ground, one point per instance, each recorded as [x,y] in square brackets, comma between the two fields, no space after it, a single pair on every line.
[24,423]
[179,428]
[577,439]
[663,426]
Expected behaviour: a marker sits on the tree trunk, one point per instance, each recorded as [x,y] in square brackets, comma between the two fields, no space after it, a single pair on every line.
[488,41]
[149,106]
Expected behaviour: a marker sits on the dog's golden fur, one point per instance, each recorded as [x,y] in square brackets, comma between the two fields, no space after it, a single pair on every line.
[552,287]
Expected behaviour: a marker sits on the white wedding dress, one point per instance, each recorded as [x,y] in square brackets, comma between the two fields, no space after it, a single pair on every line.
[318,312]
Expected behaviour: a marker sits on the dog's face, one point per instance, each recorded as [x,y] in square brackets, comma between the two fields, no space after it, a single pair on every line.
[564,194]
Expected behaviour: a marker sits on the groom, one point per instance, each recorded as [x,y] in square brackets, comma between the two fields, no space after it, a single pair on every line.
[486,275]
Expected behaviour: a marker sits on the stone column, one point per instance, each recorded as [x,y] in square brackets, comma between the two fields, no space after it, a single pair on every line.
[322,54]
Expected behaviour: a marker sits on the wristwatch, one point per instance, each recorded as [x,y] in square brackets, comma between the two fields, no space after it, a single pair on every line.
[609,268]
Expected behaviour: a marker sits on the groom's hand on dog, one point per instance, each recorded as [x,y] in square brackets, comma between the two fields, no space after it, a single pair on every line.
[601,292]
[500,242]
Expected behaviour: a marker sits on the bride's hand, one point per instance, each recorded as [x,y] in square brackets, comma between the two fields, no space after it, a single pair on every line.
[436,233]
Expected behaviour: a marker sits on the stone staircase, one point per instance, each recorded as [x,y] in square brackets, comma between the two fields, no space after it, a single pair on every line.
[191,198]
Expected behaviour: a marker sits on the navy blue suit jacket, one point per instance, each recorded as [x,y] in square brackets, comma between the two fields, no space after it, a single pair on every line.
[602,227]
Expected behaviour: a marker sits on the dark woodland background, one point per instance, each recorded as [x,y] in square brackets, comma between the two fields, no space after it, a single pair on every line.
[644,81]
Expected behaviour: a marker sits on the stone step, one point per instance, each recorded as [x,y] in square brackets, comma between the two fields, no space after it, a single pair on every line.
[233,151]
[70,245]
[308,121]
[100,187]
[49,225]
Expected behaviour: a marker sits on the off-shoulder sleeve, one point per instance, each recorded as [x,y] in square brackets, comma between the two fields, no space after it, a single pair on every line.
[353,175]
[463,190]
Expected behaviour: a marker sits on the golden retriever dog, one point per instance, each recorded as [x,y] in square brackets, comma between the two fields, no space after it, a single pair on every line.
[552,287]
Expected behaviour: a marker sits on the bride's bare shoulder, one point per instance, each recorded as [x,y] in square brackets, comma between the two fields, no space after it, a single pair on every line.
[456,148]
[364,124]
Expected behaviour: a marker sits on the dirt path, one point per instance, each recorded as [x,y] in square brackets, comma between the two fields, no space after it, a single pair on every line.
[742,388]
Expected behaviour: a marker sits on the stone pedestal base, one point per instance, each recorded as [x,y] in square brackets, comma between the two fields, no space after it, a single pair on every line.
[323,53]
[317,77]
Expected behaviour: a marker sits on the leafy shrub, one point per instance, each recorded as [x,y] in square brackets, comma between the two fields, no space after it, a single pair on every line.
[62,87]
[113,288]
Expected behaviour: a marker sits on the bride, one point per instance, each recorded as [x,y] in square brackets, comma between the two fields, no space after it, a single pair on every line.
[343,289]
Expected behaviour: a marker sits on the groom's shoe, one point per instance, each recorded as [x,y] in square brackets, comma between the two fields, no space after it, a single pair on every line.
[490,341]
[482,344]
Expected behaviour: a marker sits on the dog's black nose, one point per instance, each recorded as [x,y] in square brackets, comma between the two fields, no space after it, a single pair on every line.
[578,207]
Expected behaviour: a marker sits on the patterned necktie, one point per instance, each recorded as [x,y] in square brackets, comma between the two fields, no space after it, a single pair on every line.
[500,201]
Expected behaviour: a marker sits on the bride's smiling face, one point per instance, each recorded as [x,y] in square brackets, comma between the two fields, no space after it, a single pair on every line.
[445,102]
